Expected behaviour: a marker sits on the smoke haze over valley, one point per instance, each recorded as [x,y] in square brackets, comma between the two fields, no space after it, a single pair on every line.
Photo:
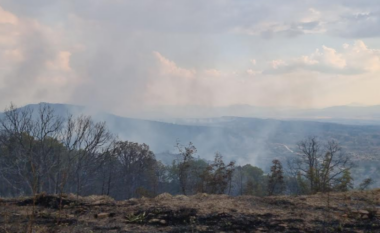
[189,116]
[248,140]
[246,78]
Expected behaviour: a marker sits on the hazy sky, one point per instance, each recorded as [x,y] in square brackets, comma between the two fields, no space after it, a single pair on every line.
[127,55]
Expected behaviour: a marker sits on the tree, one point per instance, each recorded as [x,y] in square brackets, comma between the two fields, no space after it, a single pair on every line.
[335,167]
[137,162]
[344,182]
[199,175]
[42,150]
[187,156]
[249,180]
[109,172]
[307,163]
[365,184]
[249,187]
[302,185]
[29,139]
[321,165]
[218,175]
[276,184]
[162,177]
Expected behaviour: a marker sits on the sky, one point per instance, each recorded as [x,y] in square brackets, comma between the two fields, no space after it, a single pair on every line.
[126,56]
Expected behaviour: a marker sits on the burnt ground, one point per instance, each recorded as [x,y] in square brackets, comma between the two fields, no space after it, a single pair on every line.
[339,212]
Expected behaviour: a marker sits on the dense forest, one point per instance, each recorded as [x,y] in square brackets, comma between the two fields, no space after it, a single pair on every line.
[42,151]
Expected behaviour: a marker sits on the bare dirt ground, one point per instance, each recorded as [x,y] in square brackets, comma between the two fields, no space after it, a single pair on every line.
[337,212]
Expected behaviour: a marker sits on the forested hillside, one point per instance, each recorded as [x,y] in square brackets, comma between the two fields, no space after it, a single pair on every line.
[43,150]
[243,140]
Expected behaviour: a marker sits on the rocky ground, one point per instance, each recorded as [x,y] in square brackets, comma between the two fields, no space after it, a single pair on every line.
[338,212]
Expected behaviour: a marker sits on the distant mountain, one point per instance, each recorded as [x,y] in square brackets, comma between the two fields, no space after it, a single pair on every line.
[351,114]
[345,112]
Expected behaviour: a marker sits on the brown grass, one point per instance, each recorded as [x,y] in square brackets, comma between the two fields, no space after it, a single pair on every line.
[347,212]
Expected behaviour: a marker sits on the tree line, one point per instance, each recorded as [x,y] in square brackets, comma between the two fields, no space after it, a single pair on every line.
[41,151]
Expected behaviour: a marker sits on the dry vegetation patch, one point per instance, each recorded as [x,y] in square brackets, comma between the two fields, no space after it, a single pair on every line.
[337,212]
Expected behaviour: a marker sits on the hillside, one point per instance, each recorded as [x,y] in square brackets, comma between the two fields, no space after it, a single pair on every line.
[245,140]
[339,212]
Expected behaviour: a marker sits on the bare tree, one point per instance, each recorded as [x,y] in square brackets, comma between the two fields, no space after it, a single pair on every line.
[43,150]
[335,164]
[87,143]
[308,161]
[30,139]
[321,165]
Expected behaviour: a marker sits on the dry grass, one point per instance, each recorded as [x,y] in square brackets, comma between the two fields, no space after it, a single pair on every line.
[347,212]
